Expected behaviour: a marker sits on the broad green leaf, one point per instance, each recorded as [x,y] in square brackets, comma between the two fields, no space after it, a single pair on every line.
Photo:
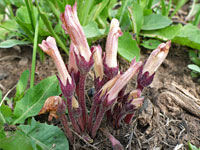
[2,132]
[16,141]
[7,28]
[12,42]
[34,99]
[155,21]
[137,18]
[194,68]
[91,30]
[22,85]
[189,35]
[17,3]
[6,114]
[45,136]
[128,48]
[165,34]
[150,44]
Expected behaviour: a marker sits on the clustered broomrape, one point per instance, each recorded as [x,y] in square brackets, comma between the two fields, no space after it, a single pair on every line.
[111,98]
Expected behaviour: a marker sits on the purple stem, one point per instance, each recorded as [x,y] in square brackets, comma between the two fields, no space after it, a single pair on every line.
[66,129]
[71,115]
[98,121]
[81,97]
[92,111]
[115,143]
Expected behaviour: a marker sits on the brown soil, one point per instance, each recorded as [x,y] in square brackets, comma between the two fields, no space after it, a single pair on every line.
[162,123]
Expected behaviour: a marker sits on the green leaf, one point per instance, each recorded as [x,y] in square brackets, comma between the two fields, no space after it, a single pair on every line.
[137,18]
[189,35]
[48,25]
[17,141]
[194,68]
[178,6]
[128,48]
[12,42]
[194,57]
[91,30]
[192,147]
[8,28]
[123,16]
[155,21]
[6,114]
[2,7]
[22,85]
[165,34]
[151,44]
[0,96]
[34,99]
[45,136]
[84,9]
[17,3]
[2,132]
[23,19]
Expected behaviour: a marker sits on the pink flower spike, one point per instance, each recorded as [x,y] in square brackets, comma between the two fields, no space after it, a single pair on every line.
[156,58]
[112,44]
[72,60]
[98,62]
[49,46]
[123,80]
[72,26]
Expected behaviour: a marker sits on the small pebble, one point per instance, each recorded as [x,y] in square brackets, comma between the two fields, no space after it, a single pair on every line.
[23,61]
[3,76]
[91,92]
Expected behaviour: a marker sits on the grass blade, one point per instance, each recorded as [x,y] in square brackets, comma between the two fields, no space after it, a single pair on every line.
[34,52]
[197,19]
[29,7]
[163,7]
[50,28]
[123,10]
[178,6]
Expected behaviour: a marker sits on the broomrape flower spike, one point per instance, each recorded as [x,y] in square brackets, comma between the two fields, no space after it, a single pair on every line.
[49,46]
[111,97]
[110,62]
[147,71]
[112,44]
[72,26]
[98,62]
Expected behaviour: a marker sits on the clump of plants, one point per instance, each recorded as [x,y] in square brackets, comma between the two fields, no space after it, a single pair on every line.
[111,98]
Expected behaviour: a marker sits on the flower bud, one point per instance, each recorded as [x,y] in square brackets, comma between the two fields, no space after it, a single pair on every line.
[98,62]
[156,58]
[72,60]
[73,27]
[49,46]
[112,44]
[123,80]
[147,71]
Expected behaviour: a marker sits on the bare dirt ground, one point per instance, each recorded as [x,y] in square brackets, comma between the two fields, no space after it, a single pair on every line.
[169,118]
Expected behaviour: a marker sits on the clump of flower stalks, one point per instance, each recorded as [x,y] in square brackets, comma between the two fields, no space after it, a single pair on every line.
[111,98]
